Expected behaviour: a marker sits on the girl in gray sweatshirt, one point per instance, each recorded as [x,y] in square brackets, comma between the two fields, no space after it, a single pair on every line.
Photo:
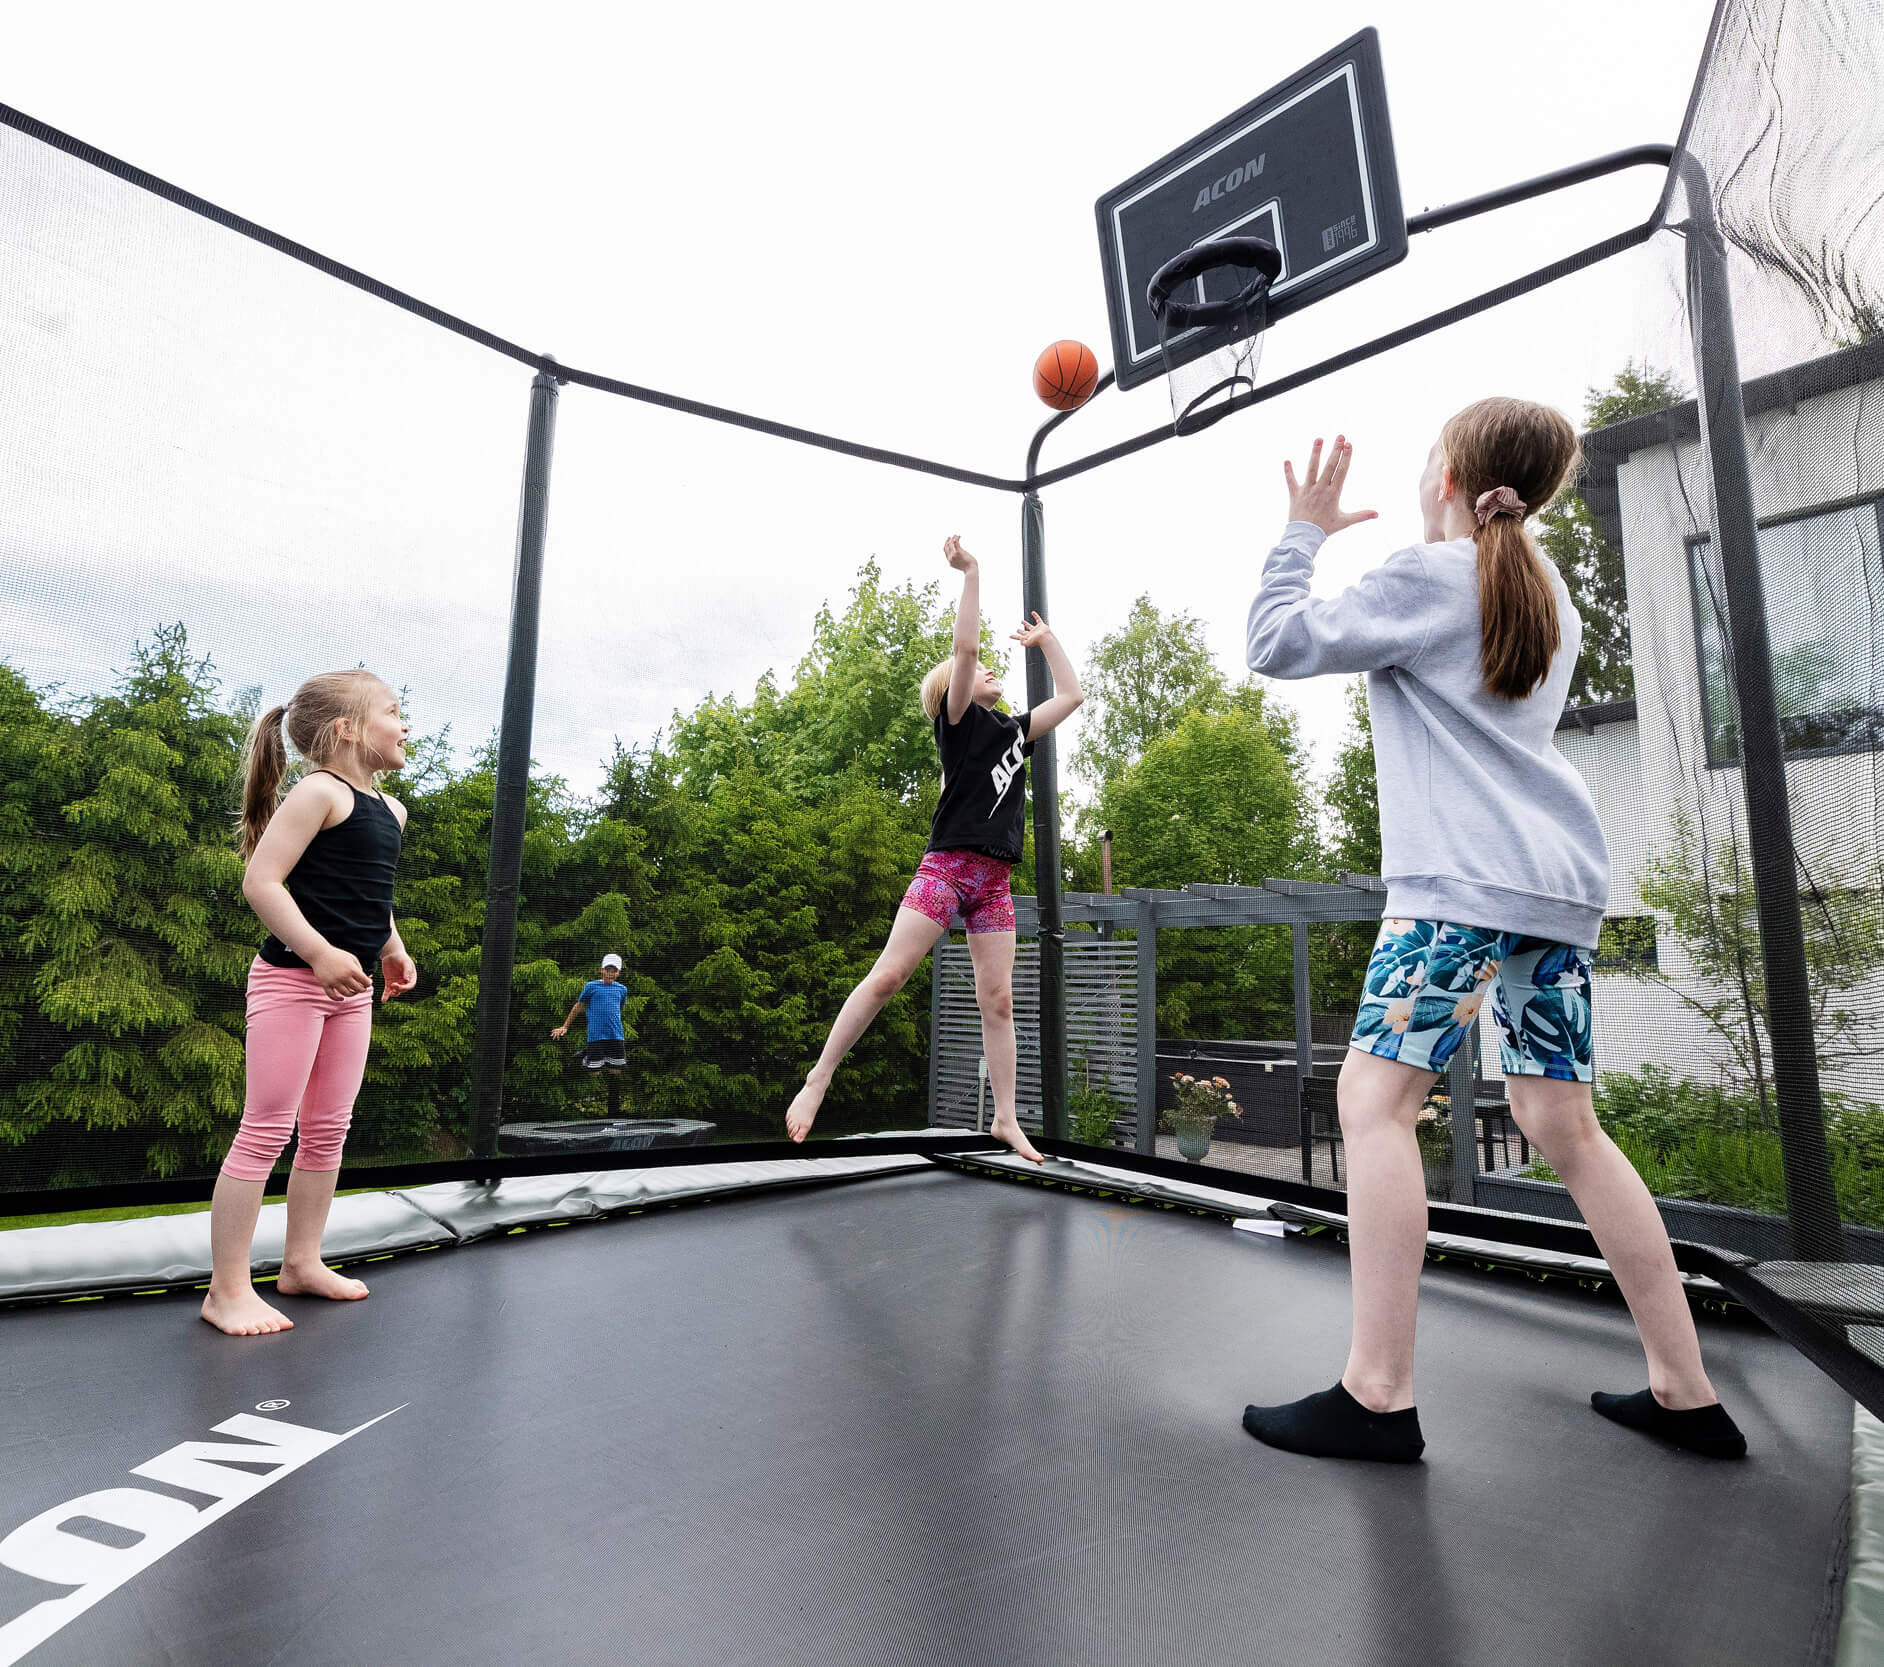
[1497,878]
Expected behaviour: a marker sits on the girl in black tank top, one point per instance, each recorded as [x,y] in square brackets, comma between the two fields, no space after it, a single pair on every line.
[321,862]
[343,883]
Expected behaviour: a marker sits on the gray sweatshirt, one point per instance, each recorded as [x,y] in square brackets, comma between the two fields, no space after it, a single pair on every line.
[1482,821]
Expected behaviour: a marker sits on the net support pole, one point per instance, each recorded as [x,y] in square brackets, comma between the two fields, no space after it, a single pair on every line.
[1462,1091]
[505,878]
[1046,786]
[1304,1035]
[935,1029]
[1811,1201]
[1147,1013]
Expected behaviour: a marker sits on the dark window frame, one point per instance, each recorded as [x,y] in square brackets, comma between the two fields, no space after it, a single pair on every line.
[1717,757]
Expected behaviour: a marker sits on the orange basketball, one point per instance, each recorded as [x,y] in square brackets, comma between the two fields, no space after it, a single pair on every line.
[1065,375]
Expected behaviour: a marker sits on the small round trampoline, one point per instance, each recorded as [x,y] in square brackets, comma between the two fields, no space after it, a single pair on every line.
[926,1418]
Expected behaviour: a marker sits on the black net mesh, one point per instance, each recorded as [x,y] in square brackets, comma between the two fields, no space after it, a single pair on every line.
[1738,990]
[1743,972]
[200,511]
[746,860]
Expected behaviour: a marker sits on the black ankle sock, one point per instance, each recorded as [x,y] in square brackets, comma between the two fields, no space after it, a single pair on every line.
[1333,1425]
[1704,1430]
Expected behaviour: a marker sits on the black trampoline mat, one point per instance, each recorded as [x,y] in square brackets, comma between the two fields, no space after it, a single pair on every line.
[926,1419]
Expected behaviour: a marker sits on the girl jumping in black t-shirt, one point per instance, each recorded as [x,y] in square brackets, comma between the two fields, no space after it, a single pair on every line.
[974,842]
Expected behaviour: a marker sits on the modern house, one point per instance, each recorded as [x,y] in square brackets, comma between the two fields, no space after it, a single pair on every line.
[1664,767]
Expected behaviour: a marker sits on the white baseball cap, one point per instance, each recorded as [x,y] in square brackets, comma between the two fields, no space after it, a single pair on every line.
[612,961]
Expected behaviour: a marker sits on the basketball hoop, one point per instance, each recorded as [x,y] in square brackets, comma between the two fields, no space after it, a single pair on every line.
[1203,385]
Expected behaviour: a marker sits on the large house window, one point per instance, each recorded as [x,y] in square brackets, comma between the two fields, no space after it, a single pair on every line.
[1824,583]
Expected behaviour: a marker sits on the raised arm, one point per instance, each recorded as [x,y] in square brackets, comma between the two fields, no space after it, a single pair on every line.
[967,645]
[1385,620]
[1067,695]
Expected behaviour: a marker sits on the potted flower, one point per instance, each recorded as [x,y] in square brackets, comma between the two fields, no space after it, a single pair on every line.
[1200,1102]
[1433,1129]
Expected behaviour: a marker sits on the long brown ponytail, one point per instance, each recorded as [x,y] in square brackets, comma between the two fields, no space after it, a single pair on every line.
[311,720]
[1532,449]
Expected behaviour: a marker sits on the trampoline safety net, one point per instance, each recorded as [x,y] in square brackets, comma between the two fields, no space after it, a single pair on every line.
[224,468]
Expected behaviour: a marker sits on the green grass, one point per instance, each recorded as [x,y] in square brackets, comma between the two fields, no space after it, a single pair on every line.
[137,1212]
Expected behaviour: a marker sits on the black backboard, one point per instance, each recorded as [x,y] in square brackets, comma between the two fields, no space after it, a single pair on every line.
[1309,165]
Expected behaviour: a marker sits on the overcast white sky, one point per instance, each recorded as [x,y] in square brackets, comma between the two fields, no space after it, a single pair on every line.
[858,218]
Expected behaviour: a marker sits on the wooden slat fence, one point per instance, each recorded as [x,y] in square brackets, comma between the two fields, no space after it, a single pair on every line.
[1101,1030]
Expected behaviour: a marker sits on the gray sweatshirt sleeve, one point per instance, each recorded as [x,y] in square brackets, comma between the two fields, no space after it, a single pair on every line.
[1384,620]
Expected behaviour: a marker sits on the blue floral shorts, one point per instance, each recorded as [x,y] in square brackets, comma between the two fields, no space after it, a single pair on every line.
[1427,980]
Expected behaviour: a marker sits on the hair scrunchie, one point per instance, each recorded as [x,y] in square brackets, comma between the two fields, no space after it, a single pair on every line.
[1500,500]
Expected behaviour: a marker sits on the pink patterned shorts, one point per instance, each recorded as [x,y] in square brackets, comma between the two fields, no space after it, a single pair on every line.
[949,883]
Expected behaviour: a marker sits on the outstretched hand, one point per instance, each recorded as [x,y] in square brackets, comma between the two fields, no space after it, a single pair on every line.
[1034,635]
[958,558]
[1316,498]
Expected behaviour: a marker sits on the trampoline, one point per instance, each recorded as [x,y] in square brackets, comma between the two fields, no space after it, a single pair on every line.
[930,1414]
[925,1416]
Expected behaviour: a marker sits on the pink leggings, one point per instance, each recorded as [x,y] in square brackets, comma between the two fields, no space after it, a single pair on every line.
[306,1055]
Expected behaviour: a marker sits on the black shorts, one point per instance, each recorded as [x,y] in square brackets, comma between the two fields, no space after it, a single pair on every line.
[598,1054]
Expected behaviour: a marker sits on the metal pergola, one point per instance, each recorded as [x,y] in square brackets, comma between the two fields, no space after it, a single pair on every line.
[1296,904]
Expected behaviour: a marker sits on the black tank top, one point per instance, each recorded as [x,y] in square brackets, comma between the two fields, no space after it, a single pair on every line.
[343,883]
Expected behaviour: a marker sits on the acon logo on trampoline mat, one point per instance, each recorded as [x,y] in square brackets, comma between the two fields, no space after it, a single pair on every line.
[52,1547]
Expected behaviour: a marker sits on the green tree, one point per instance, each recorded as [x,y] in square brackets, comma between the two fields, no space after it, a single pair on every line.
[1592,567]
[1352,795]
[1140,681]
[39,772]
[1215,801]
[416,1100]
[1705,897]
[1351,806]
[126,1052]
[1592,571]
[769,911]
[854,706]
[1637,391]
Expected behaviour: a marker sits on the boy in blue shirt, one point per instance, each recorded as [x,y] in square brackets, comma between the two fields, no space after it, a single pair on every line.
[602,1000]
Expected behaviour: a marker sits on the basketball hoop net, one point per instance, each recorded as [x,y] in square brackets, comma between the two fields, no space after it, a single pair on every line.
[1202,385]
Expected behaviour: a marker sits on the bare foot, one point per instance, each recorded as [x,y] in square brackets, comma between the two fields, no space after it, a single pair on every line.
[243,1314]
[1008,1129]
[803,1109]
[319,1280]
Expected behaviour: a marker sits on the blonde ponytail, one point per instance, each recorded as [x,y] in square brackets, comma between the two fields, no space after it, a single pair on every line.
[264,764]
[311,721]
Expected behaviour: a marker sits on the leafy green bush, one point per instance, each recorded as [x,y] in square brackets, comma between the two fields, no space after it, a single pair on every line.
[1662,1110]
[1091,1108]
[1432,1127]
[1690,1139]
[1090,1113]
